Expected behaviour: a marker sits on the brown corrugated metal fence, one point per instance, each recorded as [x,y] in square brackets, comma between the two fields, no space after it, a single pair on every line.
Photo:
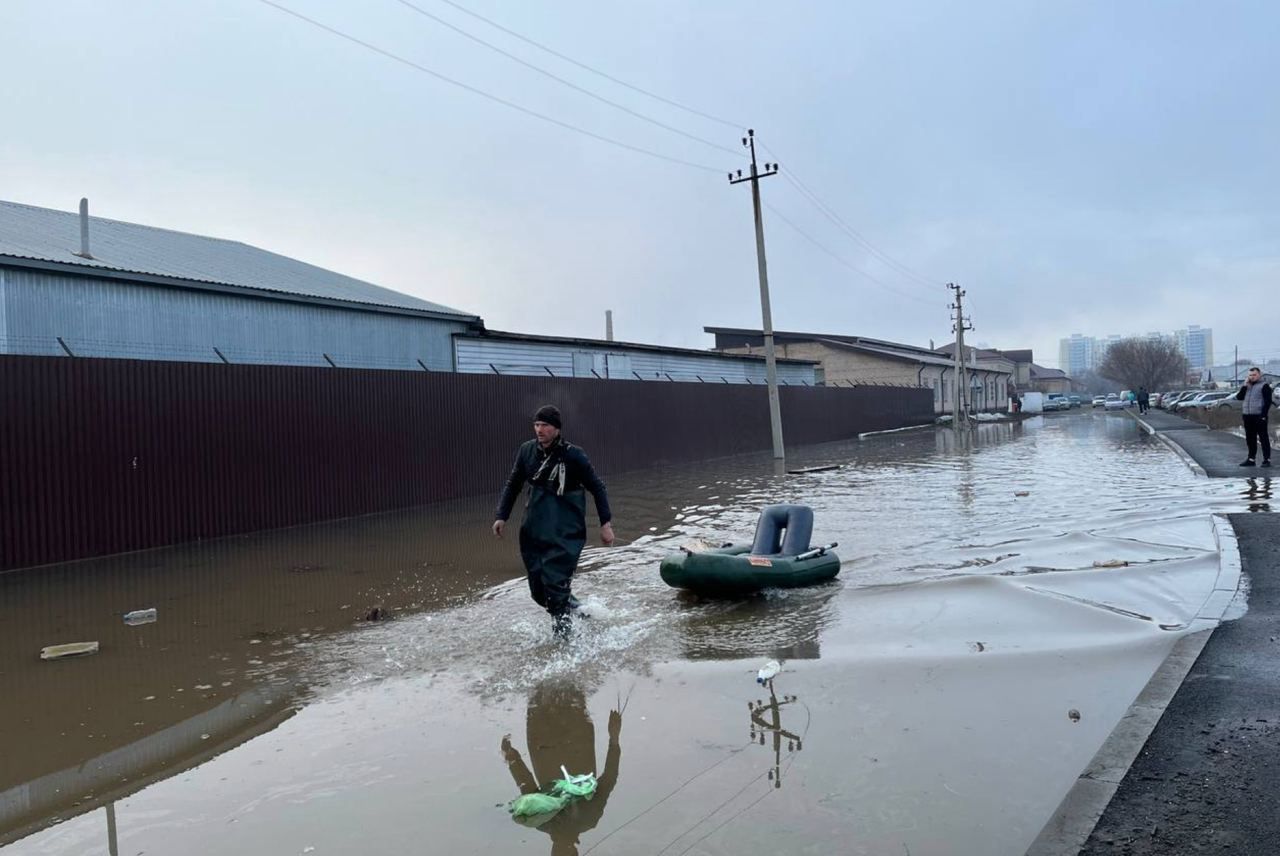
[105,456]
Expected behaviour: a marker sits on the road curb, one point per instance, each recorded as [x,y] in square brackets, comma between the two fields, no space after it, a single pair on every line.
[1078,813]
[1164,437]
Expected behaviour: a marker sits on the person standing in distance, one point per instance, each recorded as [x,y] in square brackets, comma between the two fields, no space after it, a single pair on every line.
[1256,396]
[554,530]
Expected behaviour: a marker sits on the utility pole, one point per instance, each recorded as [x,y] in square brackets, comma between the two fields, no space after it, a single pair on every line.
[959,324]
[770,358]
[608,325]
[1235,367]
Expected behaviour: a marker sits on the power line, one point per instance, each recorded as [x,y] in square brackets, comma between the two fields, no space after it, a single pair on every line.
[840,258]
[737,126]
[812,197]
[565,82]
[488,95]
[857,236]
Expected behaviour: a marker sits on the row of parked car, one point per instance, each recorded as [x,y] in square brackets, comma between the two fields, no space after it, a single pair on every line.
[1198,399]
[1177,402]
[1061,401]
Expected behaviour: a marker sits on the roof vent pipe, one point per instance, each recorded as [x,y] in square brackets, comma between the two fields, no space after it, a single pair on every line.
[84,229]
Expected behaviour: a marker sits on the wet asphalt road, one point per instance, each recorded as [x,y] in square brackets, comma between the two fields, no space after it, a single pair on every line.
[1208,780]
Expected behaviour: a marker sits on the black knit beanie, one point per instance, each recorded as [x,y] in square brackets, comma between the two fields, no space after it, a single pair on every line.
[549,414]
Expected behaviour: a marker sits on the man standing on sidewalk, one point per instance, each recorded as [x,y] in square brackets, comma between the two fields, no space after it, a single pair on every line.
[555,520]
[1256,396]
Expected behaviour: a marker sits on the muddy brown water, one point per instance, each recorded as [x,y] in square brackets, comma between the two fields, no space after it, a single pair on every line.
[923,705]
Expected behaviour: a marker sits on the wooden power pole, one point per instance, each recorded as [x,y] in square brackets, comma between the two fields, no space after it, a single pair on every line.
[960,411]
[770,357]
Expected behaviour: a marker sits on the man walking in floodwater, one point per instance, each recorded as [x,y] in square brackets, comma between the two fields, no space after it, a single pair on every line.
[555,520]
[1256,396]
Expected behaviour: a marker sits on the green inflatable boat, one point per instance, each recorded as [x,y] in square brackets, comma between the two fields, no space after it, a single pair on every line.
[780,557]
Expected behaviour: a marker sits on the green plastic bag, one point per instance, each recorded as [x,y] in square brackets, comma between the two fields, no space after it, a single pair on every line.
[579,787]
[530,805]
[541,806]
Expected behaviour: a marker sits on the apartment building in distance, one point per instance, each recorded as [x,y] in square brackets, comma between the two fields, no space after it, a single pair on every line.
[1079,353]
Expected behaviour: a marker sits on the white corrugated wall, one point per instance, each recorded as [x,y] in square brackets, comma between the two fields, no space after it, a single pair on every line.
[517,357]
[106,318]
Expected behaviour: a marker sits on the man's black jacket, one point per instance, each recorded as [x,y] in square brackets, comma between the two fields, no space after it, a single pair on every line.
[579,475]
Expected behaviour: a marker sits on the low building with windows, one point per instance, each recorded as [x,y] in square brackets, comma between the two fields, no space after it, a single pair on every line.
[1050,380]
[858,361]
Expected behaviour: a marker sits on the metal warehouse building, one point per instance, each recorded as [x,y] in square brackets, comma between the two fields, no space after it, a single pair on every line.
[87,286]
[494,352]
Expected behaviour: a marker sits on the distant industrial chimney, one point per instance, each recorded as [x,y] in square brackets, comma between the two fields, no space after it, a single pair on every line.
[84,229]
[608,325]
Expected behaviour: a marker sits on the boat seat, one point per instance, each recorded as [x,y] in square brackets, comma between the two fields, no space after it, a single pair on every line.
[783,530]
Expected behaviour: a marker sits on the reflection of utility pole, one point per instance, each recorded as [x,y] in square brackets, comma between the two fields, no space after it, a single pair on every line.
[759,727]
[959,325]
[770,358]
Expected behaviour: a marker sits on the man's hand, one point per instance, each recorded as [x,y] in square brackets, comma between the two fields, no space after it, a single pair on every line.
[615,724]
[497,527]
[606,534]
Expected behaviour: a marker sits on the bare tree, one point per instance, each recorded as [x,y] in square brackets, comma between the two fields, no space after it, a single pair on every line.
[1135,363]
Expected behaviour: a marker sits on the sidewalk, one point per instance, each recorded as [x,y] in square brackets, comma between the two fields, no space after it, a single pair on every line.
[1208,778]
[1216,454]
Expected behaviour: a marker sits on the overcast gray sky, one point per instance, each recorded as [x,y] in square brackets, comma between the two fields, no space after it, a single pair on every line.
[1095,167]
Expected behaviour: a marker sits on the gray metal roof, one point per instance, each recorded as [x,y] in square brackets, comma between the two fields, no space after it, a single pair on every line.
[1042,373]
[906,354]
[47,235]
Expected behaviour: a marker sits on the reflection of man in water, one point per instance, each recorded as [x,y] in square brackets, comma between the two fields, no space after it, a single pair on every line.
[559,732]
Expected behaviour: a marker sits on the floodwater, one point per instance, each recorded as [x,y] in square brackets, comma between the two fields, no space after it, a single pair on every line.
[1003,600]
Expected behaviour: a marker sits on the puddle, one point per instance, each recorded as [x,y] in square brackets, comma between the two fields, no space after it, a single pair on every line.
[923,701]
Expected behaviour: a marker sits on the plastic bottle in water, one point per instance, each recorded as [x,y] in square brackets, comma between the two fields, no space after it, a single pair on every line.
[766,674]
[140,616]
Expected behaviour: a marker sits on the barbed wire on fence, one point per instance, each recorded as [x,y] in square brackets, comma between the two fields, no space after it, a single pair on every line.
[77,346]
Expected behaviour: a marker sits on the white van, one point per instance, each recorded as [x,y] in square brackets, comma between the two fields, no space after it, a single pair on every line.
[1033,402]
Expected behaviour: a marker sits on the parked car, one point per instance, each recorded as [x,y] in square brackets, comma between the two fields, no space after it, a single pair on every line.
[1056,401]
[1115,402]
[1199,400]
[1099,400]
[1153,400]
[1229,403]
[1171,399]
[1075,400]
[1205,400]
